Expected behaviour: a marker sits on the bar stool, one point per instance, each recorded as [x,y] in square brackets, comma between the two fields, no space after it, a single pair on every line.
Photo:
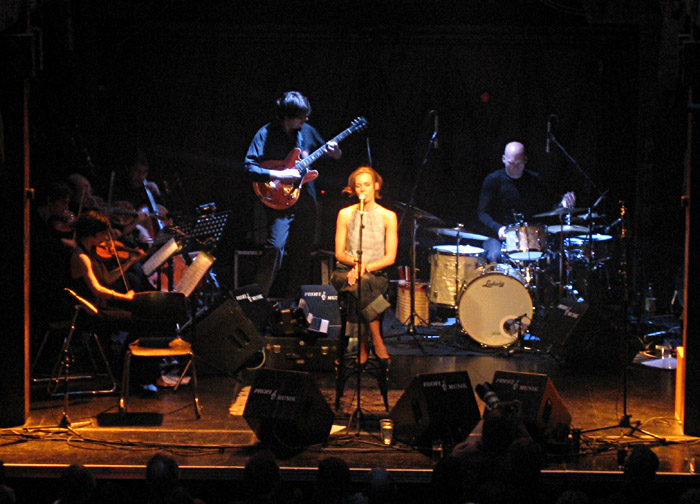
[347,366]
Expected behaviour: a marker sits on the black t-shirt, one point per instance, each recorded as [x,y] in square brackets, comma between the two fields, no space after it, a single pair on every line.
[502,196]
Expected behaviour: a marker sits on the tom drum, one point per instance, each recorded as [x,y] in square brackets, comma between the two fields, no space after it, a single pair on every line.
[445,279]
[526,242]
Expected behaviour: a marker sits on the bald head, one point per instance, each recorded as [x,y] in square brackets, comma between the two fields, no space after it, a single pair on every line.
[514,159]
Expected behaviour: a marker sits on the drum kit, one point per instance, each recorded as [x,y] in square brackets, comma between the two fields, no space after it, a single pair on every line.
[494,303]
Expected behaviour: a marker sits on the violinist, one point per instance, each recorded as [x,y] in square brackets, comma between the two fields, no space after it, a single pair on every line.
[91,279]
[143,195]
[89,275]
[51,249]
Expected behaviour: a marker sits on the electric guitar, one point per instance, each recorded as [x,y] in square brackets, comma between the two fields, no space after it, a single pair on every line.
[280,196]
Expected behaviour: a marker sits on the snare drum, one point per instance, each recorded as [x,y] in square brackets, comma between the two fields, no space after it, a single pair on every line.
[526,242]
[443,271]
[494,305]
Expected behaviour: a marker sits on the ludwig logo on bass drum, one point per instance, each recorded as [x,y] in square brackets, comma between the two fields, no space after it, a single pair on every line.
[493,283]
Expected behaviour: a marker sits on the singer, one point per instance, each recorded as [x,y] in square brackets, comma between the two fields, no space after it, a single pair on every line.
[379,244]
[510,191]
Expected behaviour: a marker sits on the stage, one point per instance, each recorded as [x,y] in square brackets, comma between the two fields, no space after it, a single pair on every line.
[213,449]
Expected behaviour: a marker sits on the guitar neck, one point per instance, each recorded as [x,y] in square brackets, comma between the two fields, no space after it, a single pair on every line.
[304,164]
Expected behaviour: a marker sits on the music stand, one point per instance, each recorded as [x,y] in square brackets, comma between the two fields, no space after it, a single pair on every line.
[204,233]
[204,230]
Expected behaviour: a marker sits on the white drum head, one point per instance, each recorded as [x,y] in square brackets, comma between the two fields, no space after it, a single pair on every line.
[490,306]
[463,249]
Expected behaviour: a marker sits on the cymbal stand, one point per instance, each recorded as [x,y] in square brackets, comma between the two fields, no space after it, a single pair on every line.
[456,298]
[562,252]
[410,323]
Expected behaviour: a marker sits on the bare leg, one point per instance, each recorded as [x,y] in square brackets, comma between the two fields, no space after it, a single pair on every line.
[375,327]
[364,340]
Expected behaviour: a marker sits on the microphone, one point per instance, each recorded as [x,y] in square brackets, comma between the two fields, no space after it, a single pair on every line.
[513,326]
[435,130]
[549,132]
[614,223]
[362,204]
[600,198]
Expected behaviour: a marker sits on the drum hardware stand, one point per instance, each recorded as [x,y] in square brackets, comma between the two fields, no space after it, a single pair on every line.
[410,323]
[625,422]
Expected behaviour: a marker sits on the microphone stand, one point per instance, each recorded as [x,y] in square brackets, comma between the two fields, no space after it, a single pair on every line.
[589,180]
[575,163]
[411,322]
[625,421]
[358,415]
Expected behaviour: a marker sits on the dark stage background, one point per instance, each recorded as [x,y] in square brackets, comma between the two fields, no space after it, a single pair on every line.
[190,82]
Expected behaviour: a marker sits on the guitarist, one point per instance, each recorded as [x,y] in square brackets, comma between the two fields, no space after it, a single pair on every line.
[294,227]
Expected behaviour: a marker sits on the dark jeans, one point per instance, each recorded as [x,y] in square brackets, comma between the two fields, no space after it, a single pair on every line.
[292,230]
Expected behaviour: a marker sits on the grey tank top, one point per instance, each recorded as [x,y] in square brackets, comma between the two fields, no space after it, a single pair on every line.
[372,238]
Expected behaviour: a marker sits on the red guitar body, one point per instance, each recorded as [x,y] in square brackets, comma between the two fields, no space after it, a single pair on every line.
[277,195]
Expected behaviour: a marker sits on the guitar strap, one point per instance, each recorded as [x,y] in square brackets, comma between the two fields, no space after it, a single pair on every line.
[300,143]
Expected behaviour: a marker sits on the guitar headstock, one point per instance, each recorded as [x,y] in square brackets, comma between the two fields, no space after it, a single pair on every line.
[358,124]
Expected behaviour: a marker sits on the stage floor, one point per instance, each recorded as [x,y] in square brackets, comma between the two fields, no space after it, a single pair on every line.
[217,445]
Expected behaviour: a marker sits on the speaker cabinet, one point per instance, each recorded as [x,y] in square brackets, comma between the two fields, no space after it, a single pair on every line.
[544,412]
[254,304]
[560,322]
[225,340]
[436,406]
[286,408]
[322,301]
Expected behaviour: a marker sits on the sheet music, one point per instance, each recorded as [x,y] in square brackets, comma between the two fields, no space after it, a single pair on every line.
[194,273]
[164,253]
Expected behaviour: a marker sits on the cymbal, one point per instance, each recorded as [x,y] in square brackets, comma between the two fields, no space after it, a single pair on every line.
[589,217]
[567,229]
[458,232]
[561,211]
[420,214]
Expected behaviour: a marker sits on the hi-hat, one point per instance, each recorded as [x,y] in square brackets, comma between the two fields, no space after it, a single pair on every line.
[561,211]
[458,232]
[419,214]
[567,229]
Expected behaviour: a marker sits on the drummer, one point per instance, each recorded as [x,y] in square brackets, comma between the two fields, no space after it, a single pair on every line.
[510,195]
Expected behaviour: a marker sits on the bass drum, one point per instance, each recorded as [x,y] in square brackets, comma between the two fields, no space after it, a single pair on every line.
[495,305]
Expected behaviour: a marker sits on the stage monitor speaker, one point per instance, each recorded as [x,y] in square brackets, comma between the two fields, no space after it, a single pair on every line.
[322,301]
[560,322]
[286,408]
[254,305]
[436,406]
[225,340]
[543,410]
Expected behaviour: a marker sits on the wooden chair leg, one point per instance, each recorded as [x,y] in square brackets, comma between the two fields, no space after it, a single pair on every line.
[124,397]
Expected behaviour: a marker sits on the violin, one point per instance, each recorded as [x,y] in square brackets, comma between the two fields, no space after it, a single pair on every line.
[107,251]
[65,223]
